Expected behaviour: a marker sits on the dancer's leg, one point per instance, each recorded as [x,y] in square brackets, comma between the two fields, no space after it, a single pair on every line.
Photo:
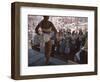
[48,49]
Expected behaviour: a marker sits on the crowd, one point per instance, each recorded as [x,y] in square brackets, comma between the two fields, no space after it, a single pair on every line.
[69,42]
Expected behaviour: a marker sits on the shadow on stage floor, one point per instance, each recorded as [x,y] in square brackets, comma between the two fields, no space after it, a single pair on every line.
[35,58]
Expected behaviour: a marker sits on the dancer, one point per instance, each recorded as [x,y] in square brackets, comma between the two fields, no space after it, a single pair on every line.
[47,28]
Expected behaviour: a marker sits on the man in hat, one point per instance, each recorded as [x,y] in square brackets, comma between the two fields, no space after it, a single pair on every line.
[47,28]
